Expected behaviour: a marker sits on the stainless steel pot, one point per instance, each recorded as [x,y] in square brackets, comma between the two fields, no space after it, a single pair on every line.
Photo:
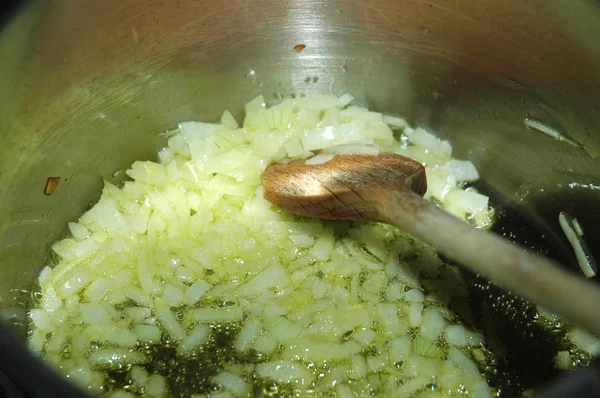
[87,85]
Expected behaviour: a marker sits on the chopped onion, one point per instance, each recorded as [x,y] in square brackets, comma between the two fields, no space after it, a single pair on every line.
[149,333]
[411,387]
[114,356]
[265,344]
[41,319]
[328,136]
[456,335]
[189,254]
[169,322]
[344,391]
[345,99]
[415,314]
[94,313]
[400,349]
[585,341]
[433,324]
[272,277]
[563,360]
[395,122]
[248,334]
[466,201]
[426,348]
[196,336]
[284,372]
[228,120]
[368,149]
[156,386]
[462,170]
[420,136]
[195,292]
[319,159]
[574,233]
[463,362]
[233,383]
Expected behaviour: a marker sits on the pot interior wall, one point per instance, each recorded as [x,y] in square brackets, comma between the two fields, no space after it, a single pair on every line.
[92,85]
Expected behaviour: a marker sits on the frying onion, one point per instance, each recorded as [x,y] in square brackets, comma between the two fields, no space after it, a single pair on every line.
[188,256]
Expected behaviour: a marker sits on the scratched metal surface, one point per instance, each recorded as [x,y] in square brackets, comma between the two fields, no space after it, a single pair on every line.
[88,85]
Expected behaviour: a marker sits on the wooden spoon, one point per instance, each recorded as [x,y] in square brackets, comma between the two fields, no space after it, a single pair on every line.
[389,189]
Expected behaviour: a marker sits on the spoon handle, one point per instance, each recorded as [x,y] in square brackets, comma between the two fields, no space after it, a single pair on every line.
[530,275]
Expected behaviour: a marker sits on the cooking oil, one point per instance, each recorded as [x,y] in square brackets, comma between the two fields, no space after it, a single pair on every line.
[522,345]
[524,342]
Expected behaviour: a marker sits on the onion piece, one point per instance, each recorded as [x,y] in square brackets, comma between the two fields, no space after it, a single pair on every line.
[462,170]
[319,159]
[216,315]
[195,338]
[463,362]
[168,321]
[585,341]
[190,244]
[228,121]
[433,324]
[250,331]
[113,357]
[353,149]
[395,122]
[233,383]
[273,277]
[415,314]
[574,233]
[284,372]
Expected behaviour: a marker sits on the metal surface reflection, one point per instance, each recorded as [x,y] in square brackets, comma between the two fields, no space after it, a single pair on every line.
[88,85]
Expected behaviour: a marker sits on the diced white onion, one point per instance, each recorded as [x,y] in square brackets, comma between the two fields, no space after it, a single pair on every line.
[284,372]
[41,319]
[574,233]
[78,231]
[563,360]
[228,121]
[94,313]
[585,341]
[250,331]
[196,337]
[195,292]
[168,321]
[410,387]
[319,159]
[463,362]
[369,149]
[400,349]
[420,136]
[265,344]
[274,276]
[415,314]
[233,383]
[148,333]
[466,201]
[110,356]
[414,295]
[433,324]
[456,335]
[395,121]
[463,170]
[345,99]
[190,246]
[215,315]
[172,296]
[418,366]
[156,386]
